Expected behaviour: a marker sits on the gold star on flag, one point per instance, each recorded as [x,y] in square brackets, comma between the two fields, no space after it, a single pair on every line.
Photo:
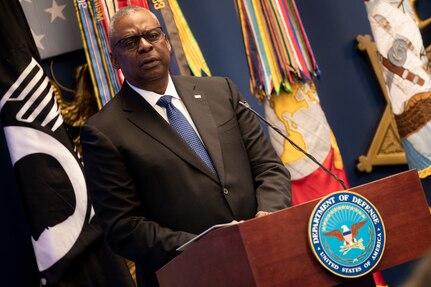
[38,40]
[56,11]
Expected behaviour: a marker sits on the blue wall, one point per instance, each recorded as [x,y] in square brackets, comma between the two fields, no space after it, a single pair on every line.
[348,90]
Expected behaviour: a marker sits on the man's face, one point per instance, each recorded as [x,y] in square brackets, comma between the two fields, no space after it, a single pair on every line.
[144,64]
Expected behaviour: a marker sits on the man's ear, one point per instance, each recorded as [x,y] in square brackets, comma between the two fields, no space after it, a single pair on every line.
[168,44]
[114,61]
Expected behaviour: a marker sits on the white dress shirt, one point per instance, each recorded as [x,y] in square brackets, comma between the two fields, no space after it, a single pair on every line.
[152,98]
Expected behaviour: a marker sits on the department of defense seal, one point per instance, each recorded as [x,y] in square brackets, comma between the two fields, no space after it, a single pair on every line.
[347,234]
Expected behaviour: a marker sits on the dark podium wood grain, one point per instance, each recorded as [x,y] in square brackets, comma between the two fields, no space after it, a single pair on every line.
[274,250]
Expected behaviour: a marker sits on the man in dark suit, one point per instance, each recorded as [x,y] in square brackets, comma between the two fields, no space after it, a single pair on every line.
[151,189]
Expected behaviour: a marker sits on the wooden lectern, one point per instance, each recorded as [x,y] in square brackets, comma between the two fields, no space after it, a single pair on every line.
[274,250]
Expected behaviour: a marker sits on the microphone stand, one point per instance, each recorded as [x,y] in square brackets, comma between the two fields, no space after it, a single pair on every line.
[247,106]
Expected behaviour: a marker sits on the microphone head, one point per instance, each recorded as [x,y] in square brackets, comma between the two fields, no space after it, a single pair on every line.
[245,104]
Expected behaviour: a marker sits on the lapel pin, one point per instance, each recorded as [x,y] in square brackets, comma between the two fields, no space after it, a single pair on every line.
[198,96]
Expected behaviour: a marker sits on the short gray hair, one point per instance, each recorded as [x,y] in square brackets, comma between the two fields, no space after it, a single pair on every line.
[122,13]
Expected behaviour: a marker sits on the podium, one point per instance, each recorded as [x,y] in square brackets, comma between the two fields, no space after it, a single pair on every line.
[274,250]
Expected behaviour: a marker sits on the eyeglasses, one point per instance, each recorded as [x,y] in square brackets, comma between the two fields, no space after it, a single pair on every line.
[151,36]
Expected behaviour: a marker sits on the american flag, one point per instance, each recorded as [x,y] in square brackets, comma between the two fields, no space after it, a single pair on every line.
[53,25]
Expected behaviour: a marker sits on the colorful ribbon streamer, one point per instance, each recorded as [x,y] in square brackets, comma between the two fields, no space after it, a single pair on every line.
[277,47]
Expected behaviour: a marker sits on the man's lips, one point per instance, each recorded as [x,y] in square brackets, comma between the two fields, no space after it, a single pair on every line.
[149,62]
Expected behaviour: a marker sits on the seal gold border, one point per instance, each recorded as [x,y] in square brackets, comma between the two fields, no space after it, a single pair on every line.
[328,202]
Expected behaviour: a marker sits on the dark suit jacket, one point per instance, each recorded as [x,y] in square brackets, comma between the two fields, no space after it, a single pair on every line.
[152,193]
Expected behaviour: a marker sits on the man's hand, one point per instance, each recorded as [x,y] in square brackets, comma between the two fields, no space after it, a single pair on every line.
[262,213]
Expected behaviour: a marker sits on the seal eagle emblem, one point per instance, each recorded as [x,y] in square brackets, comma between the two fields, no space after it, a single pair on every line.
[347,234]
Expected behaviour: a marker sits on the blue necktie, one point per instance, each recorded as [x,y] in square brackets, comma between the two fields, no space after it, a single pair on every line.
[179,122]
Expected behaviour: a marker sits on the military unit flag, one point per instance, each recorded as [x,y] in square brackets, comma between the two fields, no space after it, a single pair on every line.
[408,79]
[282,68]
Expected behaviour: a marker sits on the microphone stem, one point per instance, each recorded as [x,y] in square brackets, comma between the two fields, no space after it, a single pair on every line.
[245,104]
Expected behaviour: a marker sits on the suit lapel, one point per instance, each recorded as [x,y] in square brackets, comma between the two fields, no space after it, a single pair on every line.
[198,108]
[141,114]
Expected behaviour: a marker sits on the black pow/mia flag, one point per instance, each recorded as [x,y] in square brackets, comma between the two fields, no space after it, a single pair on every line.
[67,242]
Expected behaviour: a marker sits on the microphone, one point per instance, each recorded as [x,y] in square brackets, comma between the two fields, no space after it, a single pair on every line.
[247,106]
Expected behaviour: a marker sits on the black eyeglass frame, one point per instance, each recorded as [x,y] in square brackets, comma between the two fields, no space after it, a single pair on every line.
[146,35]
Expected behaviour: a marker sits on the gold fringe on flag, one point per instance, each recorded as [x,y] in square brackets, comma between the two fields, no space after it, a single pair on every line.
[193,53]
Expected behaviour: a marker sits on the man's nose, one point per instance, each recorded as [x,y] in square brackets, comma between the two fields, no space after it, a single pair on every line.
[144,44]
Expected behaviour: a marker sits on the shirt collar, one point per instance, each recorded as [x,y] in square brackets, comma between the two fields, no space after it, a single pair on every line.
[152,97]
